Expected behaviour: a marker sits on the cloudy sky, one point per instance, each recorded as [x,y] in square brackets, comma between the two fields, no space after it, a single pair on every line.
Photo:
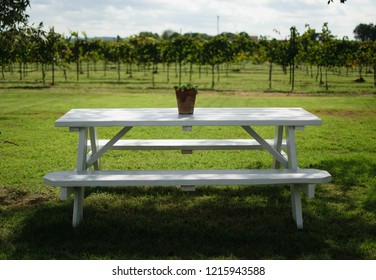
[256,17]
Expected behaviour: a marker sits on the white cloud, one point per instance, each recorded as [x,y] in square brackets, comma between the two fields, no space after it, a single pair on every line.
[125,18]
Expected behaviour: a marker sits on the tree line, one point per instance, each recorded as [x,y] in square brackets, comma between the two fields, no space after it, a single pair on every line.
[317,51]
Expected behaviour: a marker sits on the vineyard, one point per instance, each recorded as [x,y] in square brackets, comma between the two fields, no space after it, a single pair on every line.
[311,62]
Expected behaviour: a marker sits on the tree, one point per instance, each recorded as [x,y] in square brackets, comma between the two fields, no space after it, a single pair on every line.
[216,51]
[12,13]
[182,47]
[365,32]
[372,57]
[65,54]
[243,47]
[167,55]
[328,51]
[363,57]
[48,50]
[76,51]
[270,51]
[292,52]
[38,48]
[309,42]
[168,34]
[118,52]
[6,47]
[149,54]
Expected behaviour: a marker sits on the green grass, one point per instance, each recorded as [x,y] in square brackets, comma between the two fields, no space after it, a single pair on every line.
[247,77]
[235,222]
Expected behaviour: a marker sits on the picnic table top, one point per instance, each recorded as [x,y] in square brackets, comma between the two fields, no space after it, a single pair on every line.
[94,117]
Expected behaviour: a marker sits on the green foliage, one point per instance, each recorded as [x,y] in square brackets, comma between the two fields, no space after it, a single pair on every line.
[185,87]
[365,32]
[33,45]
[12,13]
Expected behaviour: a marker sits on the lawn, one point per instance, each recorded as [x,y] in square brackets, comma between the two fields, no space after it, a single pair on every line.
[235,222]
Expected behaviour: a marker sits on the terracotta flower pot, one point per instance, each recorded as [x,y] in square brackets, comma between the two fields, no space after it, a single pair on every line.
[186,100]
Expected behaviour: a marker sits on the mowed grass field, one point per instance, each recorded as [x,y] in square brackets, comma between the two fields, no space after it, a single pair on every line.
[235,78]
[218,222]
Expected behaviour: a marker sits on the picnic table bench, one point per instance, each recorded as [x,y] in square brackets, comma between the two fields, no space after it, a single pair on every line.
[284,169]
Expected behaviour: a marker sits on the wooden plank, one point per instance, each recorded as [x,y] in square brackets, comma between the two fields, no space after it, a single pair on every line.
[296,205]
[78,206]
[291,148]
[278,144]
[95,157]
[82,148]
[270,148]
[197,144]
[94,146]
[95,117]
[186,177]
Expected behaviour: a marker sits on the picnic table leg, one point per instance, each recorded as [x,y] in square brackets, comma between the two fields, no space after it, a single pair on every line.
[94,146]
[296,200]
[296,203]
[291,147]
[78,206]
[81,160]
[82,149]
[308,189]
[278,137]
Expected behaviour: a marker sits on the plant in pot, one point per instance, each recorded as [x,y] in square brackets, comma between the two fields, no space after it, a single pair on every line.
[186,98]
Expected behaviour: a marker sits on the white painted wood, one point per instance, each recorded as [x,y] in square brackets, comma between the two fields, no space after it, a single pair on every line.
[191,144]
[78,203]
[277,155]
[296,203]
[82,149]
[278,144]
[65,193]
[78,206]
[186,177]
[94,146]
[81,159]
[291,148]
[95,157]
[202,117]
[309,190]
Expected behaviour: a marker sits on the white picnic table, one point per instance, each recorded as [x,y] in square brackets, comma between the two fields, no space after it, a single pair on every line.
[284,169]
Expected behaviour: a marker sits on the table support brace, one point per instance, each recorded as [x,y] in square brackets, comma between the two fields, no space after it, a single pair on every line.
[94,158]
[277,155]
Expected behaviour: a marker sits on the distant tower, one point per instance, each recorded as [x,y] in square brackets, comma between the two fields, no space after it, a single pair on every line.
[217,25]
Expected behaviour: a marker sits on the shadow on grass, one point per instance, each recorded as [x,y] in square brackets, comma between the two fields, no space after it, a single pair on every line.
[211,223]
